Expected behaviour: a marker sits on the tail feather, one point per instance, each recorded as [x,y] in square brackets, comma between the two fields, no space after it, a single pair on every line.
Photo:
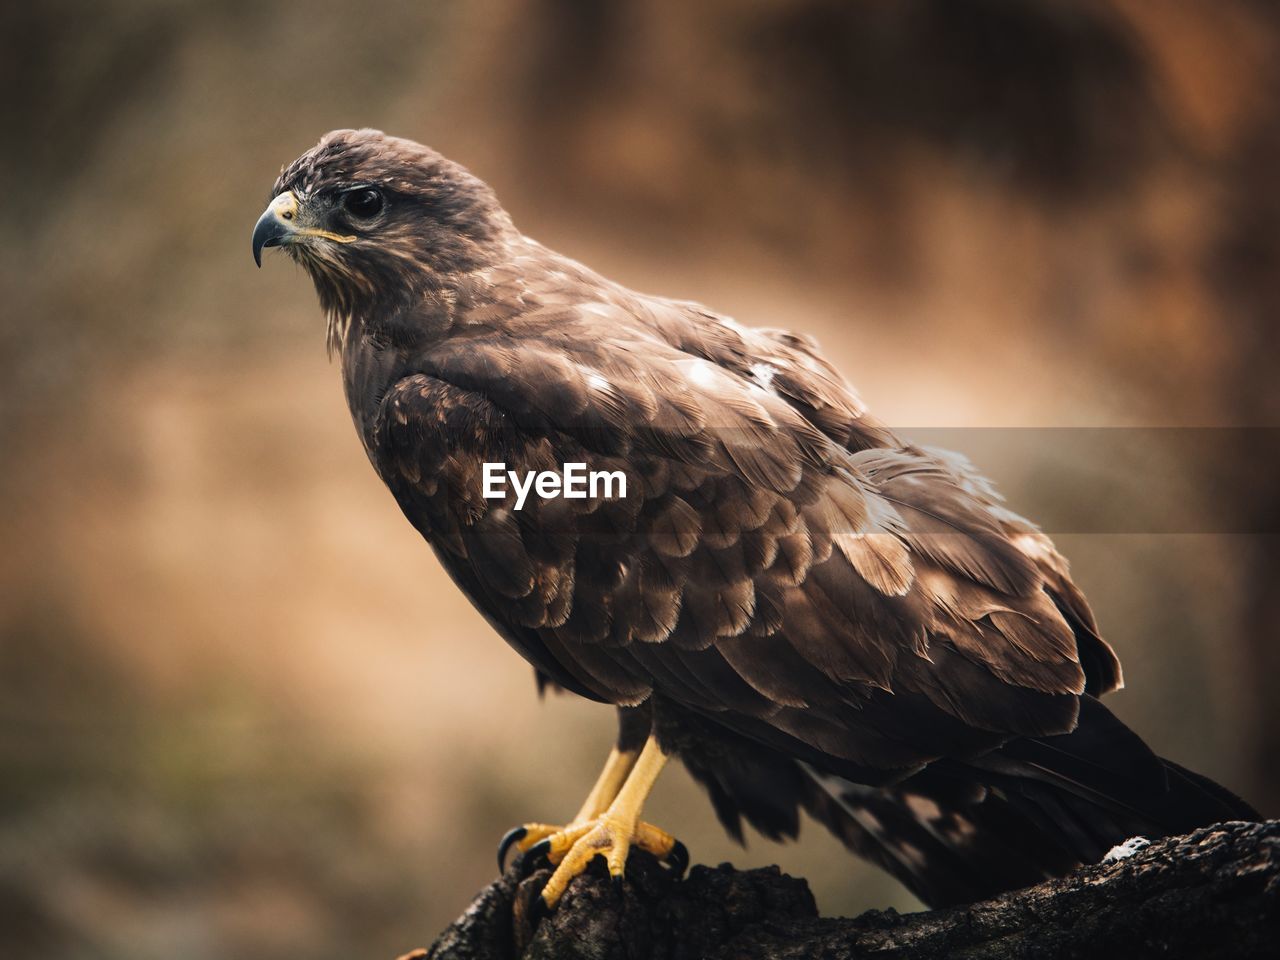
[946,851]
[1104,771]
[1213,802]
[1034,809]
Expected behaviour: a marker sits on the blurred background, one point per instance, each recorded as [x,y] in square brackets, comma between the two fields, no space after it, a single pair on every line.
[243,713]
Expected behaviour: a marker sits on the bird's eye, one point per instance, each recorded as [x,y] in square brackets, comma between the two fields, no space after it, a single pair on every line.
[363,203]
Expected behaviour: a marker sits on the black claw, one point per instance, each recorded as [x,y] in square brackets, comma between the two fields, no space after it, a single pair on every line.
[539,855]
[678,858]
[538,910]
[509,839]
[617,884]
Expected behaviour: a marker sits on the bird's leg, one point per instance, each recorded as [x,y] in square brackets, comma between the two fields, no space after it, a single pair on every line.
[612,832]
[616,770]
[606,788]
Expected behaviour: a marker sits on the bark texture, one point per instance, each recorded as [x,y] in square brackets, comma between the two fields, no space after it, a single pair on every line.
[1212,893]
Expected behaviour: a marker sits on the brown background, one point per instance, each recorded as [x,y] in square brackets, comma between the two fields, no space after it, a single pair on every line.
[242,713]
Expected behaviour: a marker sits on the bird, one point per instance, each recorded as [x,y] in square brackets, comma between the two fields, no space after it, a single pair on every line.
[814,615]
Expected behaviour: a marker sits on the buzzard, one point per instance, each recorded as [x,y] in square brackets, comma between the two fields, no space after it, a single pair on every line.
[809,611]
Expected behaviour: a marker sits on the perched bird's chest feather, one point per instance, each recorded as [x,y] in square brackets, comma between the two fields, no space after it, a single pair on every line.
[368,371]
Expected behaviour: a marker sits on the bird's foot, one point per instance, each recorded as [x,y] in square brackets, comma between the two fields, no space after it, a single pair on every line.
[525,837]
[607,828]
[571,848]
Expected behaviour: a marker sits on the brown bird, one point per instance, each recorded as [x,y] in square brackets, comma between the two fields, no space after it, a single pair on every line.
[810,612]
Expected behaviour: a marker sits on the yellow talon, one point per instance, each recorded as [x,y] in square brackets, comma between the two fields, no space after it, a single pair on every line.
[609,823]
[612,833]
[614,774]
[612,837]
[525,837]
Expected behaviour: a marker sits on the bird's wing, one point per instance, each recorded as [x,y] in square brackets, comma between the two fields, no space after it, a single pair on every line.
[859,604]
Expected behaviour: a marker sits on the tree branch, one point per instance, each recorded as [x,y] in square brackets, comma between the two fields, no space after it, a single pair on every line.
[1212,893]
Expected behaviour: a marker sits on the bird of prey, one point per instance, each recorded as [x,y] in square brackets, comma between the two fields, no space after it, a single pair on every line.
[809,611]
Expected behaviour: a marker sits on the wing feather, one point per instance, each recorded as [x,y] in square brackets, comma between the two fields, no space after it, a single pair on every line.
[780,559]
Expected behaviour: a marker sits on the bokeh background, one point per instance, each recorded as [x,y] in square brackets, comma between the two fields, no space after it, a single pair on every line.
[242,712]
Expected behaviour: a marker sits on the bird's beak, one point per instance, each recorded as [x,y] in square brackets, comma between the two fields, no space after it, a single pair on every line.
[276,225]
[284,221]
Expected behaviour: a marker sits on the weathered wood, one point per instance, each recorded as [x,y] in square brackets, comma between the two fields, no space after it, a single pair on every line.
[1213,893]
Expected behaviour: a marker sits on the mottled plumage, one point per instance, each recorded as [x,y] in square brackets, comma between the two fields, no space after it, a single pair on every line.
[812,612]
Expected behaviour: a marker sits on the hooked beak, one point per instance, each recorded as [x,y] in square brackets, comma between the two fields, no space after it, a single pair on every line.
[276,225]
[284,222]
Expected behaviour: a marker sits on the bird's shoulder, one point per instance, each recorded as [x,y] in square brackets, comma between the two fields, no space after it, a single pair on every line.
[541,329]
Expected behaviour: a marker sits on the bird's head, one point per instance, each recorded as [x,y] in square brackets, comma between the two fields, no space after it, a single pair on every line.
[379,222]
